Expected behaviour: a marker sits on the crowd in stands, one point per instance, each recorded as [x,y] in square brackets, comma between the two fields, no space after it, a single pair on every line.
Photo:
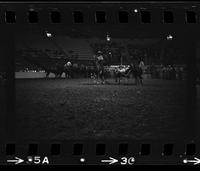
[167,72]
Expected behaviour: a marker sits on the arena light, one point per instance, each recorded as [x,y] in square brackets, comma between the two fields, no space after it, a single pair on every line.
[48,34]
[108,38]
[135,10]
[169,37]
[31,9]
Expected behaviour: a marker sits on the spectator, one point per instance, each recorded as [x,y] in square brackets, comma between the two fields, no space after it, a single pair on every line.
[142,66]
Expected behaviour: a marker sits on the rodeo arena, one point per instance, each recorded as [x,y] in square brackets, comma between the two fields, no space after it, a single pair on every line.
[96,87]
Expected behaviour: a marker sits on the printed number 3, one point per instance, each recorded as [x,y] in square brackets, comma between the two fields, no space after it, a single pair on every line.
[126,160]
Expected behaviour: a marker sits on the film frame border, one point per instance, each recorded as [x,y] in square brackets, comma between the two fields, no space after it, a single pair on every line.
[108,145]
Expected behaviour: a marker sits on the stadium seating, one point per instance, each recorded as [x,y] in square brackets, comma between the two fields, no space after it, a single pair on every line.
[79,47]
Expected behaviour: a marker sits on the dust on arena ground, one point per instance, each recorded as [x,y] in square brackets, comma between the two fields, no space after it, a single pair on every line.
[67,109]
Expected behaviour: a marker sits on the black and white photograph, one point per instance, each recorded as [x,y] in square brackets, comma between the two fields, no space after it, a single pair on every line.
[97,82]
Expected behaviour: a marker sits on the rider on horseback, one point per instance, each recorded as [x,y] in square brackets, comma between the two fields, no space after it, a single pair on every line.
[100,58]
[142,66]
[68,70]
[137,69]
[132,66]
[99,61]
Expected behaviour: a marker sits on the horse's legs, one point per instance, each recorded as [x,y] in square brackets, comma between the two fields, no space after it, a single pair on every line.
[127,80]
[115,79]
[141,80]
[119,79]
[102,79]
[66,74]
[135,80]
[97,78]
[71,73]
[47,74]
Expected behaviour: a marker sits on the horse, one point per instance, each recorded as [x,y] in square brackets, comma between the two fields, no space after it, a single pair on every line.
[99,71]
[137,73]
[133,70]
[119,73]
[68,70]
[58,70]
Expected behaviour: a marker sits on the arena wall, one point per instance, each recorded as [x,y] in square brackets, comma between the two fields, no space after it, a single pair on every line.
[22,75]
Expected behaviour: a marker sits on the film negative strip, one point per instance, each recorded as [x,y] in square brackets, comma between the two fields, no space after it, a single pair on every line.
[99,83]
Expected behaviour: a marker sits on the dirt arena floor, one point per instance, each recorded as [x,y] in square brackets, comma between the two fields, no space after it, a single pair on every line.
[65,109]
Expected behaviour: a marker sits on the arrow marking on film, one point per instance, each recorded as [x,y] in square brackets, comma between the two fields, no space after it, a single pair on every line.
[16,160]
[110,161]
[195,161]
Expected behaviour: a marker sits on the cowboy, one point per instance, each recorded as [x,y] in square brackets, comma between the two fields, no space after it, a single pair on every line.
[99,64]
[69,64]
[68,69]
[141,65]
[100,58]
